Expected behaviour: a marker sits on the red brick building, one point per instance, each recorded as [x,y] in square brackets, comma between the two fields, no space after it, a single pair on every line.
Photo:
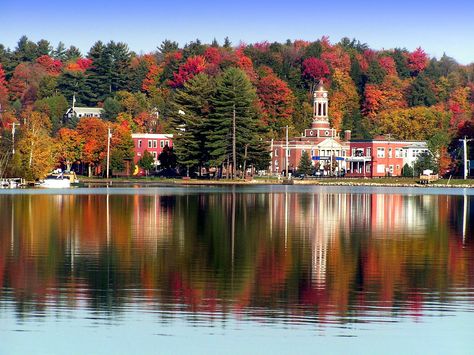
[382,156]
[322,143]
[154,143]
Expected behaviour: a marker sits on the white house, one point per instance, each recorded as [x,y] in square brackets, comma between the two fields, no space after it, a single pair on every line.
[81,112]
[412,151]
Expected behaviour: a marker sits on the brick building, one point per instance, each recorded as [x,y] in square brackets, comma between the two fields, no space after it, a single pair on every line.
[322,143]
[153,143]
[382,156]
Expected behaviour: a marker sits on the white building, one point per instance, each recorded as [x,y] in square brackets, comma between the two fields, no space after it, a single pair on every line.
[412,151]
[81,112]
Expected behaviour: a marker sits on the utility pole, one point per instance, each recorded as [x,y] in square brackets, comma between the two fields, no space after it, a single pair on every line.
[234,143]
[286,153]
[14,124]
[465,140]
[109,135]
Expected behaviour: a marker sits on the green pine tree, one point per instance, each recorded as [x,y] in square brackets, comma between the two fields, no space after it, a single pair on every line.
[232,124]
[189,112]
[305,167]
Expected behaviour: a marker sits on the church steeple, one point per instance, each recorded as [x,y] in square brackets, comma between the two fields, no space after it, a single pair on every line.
[320,103]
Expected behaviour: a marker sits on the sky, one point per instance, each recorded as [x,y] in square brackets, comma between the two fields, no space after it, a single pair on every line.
[437,26]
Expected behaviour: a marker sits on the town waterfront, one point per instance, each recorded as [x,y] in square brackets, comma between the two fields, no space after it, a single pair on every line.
[237,269]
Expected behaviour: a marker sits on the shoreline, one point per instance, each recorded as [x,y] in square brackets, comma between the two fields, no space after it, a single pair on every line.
[333,182]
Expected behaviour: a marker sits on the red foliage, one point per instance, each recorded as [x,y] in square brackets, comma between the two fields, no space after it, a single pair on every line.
[213,55]
[194,65]
[3,88]
[370,55]
[372,102]
[94,133]
[363,63]
[25,81]
[417,60]
[80,65]
[389,65]
[262,47]
[52,66]
[173,57]
[153,75]
[315,69]
[84,63]
[337,58]
[245,63]
[276,99]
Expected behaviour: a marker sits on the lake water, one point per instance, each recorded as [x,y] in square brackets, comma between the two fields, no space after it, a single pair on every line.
[237,270]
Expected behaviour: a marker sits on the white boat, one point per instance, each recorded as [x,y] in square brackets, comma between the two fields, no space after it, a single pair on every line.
[11,183]
[56,181]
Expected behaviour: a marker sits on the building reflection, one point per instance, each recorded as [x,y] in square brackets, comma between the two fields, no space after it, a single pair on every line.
[324,252]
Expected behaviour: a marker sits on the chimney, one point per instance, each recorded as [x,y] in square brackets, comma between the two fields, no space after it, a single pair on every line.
[347,134]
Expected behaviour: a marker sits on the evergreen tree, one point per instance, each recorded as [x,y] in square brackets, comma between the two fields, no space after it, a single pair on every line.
[407,171]
[375,73]
[74,83]
[227,43]
[190,110]
[98,75]
[112,108]
[305,167]
[26,50]
[399,56]
[232,124]
[421,92]
[43,48]
[168,46]
[72,53]
[60,51]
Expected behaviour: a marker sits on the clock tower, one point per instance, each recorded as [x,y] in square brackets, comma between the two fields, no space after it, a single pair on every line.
[320,103]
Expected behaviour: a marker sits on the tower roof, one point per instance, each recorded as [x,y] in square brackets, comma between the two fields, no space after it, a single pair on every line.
[320,86]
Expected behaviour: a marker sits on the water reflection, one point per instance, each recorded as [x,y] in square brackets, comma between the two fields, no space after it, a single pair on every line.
[318,257]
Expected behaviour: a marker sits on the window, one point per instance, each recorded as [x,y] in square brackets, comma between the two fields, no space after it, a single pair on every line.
[288,152]
[326,133]
[353,152]
[139,143]
[155,144]
[367,168]
[380,153]
[311,133]
[154,154]
[398,153]
[389,152]
[276,152]
[398,167]
[390,169]
[167,143]
[380,168]
[162,144]
[139,154]
[369,152]
[150,144]
[312,152]
[276,162]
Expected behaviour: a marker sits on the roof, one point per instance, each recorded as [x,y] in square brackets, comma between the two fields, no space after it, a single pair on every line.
[320,86]
[85,110]
[151,135]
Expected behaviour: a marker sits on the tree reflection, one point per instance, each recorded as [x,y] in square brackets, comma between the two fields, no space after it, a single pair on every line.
[276,254]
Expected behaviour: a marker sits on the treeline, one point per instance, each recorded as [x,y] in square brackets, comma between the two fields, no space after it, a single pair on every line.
[201,92]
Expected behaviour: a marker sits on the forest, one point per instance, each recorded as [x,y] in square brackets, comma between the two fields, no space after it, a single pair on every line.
[222,101]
